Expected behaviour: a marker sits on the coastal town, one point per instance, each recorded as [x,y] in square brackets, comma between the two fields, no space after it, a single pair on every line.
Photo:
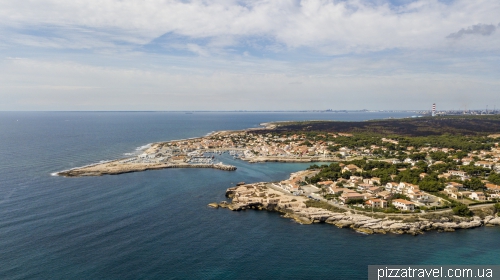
[363,173]
[312,209]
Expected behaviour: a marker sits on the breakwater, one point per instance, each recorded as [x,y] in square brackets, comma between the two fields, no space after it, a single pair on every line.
[112,168]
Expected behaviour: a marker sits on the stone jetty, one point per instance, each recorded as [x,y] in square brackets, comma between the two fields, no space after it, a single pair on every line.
[116,167]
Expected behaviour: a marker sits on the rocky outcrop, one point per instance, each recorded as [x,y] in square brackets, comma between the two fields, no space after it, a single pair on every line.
[213,205]
[361,223]
[115,168]
[490,220]
[259,196]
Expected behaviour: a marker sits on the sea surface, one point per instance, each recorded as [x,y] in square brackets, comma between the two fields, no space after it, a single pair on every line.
[156,224]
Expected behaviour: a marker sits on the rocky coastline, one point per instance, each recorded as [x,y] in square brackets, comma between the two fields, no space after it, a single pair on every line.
[261,196]
[114,168]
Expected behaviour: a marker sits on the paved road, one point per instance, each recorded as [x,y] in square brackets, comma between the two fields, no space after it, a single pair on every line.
[316,196]
[346,208]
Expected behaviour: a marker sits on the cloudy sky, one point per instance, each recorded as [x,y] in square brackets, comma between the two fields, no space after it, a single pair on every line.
[249,55]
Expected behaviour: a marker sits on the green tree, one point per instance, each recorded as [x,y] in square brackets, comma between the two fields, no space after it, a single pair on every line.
[333,148]
[418,156]
[314,166]
[494,178]
[346,175]
[438,155]
[462,210]
[430,185]
[461,154]
[422,165]
[355,201]
[496,207]
[474,183]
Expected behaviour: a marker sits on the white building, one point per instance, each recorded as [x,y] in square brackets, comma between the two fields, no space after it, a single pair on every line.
[403,204]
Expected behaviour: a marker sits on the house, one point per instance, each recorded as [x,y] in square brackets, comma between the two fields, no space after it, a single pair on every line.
[374,190]
[325,183]
[375,179]
[372,181]
[293,188]
[484,164]
[376,203]
[494,196]
[367,196]
[462,174]
[408,188]
[444,175]
[492,188]
[456,185]
[364,187]
[346,197]
[456,195]
[400,187]
[450,190]
[335,190]
[391,186]
[467,161]
[384,195]
[356,179]
[497,167]
[418,196]
[403,204]
[351,168]
[477,196]
[409,160]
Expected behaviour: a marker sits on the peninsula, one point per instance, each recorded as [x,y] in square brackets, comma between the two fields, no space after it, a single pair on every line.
[397,175]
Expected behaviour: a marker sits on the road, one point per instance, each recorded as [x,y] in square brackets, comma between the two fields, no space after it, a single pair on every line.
[317,196]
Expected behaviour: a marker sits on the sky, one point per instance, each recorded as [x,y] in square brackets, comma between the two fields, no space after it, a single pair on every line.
[171,55]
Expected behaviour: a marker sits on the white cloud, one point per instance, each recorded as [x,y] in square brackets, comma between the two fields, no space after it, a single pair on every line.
[332,26]
[265,54]
[197,49]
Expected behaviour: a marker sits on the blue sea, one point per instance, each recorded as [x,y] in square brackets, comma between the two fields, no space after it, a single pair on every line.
[156,224]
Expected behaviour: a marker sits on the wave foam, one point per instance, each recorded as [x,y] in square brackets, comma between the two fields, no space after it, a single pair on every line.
[145,147]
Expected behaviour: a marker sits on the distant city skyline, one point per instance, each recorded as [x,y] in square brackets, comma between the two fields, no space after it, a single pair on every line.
[231,55]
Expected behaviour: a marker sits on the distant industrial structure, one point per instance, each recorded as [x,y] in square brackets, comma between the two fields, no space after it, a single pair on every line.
[433,112]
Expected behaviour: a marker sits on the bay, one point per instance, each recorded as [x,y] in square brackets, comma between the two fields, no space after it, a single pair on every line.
[156,224]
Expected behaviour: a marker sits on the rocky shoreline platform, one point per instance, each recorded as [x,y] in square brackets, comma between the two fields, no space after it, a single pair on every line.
[116,167]
[262,196]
